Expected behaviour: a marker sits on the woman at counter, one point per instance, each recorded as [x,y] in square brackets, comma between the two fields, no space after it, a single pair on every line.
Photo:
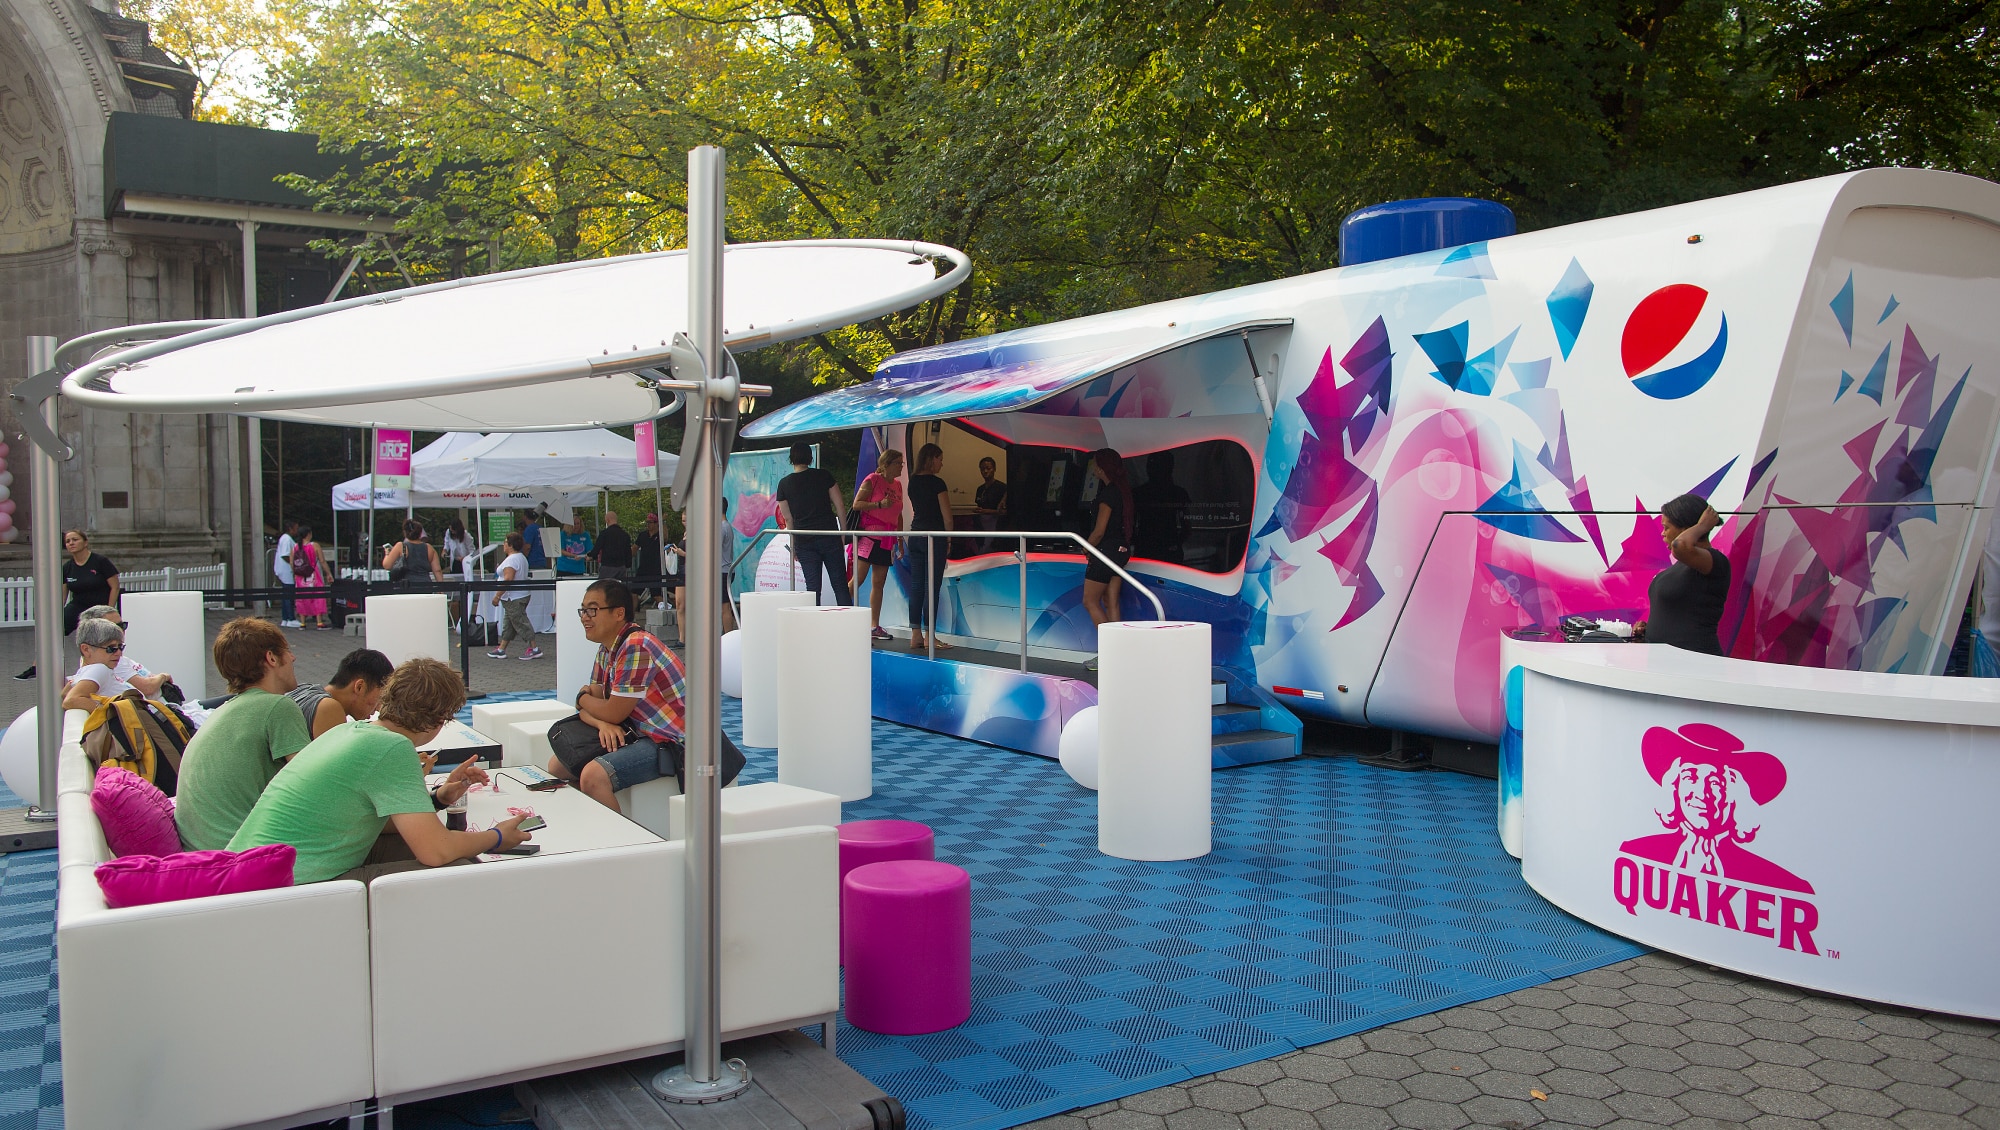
[1687,596]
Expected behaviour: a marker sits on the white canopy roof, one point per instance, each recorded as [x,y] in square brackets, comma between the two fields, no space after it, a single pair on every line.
[585,460]
[543,348]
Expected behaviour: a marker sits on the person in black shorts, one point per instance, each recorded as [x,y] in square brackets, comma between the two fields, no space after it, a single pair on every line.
[1111,533]
[930,501]
[809,499]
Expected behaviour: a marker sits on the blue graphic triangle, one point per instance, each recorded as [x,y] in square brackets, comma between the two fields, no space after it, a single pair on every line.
[1530,374]
[1569,304]
[1446,349]
[1846,382]
[1887,310]
[1467,262]
[1482,371]
[1877,378]
[1843,308]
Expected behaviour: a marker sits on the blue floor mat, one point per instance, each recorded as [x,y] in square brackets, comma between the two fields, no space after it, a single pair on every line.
[1338,898]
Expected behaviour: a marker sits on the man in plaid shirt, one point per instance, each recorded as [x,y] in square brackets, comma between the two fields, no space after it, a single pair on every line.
[637,699]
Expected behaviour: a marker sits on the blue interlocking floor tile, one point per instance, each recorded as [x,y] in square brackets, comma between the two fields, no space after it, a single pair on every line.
[1337,898]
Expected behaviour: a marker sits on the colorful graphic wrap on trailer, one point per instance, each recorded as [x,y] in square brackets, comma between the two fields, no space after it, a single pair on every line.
[1475,440]
[1421,501]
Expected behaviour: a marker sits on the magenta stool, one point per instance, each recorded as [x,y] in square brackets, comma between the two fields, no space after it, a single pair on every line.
[908,923]
[878,841]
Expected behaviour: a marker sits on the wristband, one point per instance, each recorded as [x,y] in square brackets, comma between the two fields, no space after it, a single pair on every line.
[499,839]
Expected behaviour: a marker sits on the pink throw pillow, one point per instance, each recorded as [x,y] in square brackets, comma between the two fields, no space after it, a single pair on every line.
[142,880]
[138,819]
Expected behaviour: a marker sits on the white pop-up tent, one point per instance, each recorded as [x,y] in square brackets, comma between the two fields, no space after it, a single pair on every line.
[354,494]
[595,459]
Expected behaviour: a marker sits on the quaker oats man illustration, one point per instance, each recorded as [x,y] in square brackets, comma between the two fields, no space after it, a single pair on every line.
[1713,793]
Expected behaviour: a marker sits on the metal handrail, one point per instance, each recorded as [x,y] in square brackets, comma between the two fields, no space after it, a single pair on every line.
[930,588]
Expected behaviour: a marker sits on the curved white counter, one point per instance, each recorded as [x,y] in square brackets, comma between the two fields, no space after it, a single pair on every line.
[1828,829]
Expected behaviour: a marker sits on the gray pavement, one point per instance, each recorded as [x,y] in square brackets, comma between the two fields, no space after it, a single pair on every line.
[1655,1041]
[319,653]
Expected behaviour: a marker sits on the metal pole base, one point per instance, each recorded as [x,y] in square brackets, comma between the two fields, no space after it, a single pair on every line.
[676,1086]
[39,815]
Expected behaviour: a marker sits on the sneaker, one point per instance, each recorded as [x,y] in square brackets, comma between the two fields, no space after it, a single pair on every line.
[293,624]
[881,634]
[496,655]
[26,676]
[532,653]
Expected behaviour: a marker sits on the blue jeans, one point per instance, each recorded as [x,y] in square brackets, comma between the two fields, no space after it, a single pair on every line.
[827,555]
[288,608]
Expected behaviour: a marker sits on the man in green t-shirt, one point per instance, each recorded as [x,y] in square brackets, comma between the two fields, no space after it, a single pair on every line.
[334,801]
[246,740]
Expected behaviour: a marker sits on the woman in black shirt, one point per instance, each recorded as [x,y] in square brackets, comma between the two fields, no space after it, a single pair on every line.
[89,579]
[1687,596]
[930,501]
[1111,533]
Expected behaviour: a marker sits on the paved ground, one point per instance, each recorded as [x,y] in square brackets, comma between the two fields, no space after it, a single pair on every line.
[319,653]
[1656,1041]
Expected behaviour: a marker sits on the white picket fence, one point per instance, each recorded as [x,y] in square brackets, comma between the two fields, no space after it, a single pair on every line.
[17,594]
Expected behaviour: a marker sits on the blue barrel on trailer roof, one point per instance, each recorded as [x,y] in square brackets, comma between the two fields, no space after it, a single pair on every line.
[1405,227]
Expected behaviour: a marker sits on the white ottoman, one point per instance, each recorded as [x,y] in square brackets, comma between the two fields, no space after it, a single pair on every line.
[651,804]
[493,718]
[526,743]
[762,807]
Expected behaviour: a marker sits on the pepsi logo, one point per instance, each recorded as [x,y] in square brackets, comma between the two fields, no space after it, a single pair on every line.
[1663,354]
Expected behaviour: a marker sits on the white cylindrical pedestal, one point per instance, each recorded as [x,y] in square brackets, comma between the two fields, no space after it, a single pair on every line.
[760,662]
[574,651]
[825,683]
[166,632]
[405,627]
[1153,740]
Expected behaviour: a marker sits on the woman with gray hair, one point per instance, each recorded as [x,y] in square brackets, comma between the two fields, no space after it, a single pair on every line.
[102,645]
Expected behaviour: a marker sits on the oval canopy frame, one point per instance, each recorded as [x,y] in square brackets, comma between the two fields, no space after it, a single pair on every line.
[543,349]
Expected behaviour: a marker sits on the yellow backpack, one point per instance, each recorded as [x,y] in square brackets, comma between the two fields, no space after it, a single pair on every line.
[133,732]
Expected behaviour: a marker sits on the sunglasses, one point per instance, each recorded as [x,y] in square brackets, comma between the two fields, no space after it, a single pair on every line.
[113,648]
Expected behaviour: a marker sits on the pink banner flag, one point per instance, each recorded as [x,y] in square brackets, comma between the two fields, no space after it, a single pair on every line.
[646,451]
[392,459]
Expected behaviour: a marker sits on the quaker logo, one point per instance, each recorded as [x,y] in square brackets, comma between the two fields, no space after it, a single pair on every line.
[1661,347]
[1712,802]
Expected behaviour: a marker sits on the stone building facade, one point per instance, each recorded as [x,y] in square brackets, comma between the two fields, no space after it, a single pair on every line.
[151,490]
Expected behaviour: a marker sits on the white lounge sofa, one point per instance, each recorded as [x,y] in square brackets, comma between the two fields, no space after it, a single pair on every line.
[283,1007]
[586,962]
[240,1010]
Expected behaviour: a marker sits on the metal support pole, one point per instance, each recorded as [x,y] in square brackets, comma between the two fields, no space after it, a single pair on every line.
[1021,553]
[232,434]
[253,430]
[702,1076]
[46,538]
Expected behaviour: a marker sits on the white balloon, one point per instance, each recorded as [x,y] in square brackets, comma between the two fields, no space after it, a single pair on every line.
[9,535]
[5,494]
[19,765]
[1078,747]
[732,664]
[6,478]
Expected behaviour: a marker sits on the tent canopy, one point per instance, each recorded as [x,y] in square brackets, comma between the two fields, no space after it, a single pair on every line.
[584,460]
[541,348]
[353,494]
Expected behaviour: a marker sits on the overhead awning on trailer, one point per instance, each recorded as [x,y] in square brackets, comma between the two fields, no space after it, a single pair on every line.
[974,378]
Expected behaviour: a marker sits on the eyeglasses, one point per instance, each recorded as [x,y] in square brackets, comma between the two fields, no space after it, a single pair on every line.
[113,648]
[590,611]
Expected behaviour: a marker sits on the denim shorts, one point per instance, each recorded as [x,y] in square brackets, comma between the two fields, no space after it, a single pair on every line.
[637,762]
